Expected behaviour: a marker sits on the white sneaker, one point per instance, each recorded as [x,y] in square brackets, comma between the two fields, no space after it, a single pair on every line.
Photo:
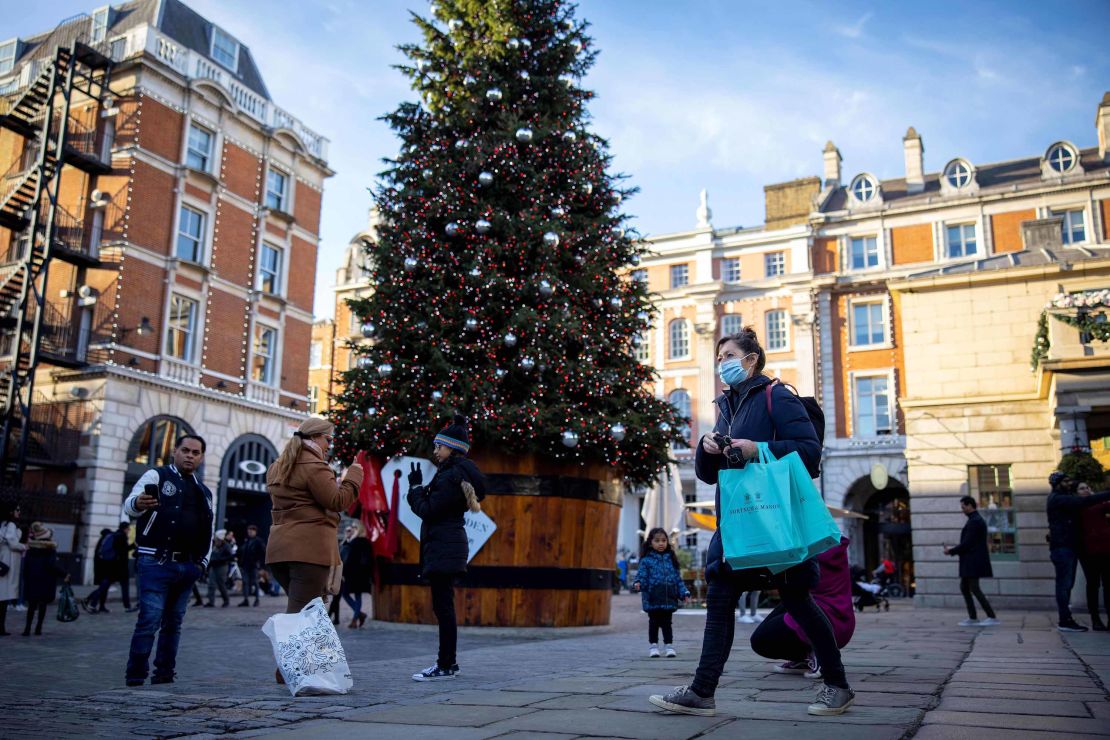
[759,617]
[745,619]
[989,622]
[653,652]
[969,623]
[813,667]
[671,653]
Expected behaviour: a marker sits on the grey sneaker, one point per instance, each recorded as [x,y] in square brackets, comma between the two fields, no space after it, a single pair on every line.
[832,701]
[683,700]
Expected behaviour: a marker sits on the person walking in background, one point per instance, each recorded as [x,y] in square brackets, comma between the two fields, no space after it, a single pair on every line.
[344,548]
[252,557]
[780,637]
[218,562]
[1094,555]
[659,581]
[306,503]
[749,604]
[11,559]
[174,535]
[358,571]
[1064,510]
[98,563]
[457,486]
[40,575]
[975,563]
[114,553]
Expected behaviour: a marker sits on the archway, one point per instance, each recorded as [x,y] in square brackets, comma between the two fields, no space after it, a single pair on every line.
[243,496]
[886,533]
[152,446]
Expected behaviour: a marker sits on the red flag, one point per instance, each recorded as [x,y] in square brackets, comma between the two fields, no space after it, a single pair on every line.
[388,545]
[371,497]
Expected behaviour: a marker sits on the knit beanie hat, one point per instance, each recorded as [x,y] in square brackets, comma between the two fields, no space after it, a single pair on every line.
[455,435]
[1055,478]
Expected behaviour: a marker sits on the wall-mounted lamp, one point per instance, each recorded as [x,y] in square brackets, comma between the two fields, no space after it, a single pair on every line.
[110,108]
[293,404]
[133,362]
[99,199]
[220,385]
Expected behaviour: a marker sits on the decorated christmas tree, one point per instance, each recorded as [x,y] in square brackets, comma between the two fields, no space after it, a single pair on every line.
[500,265]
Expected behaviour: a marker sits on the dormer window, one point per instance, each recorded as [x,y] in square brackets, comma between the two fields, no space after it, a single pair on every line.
[225,49]
[99,23]
[7,56]
[958,174]
[1062,158]
[864,188]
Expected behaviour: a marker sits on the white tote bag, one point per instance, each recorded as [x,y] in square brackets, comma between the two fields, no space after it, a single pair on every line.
[308,652]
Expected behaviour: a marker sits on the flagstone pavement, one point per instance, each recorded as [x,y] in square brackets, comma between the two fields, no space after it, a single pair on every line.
[915,672]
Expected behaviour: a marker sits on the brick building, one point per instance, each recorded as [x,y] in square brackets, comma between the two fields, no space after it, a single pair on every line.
[183,301]
[912,401]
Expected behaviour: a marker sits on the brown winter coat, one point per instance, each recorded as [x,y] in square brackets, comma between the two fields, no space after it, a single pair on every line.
[305,511]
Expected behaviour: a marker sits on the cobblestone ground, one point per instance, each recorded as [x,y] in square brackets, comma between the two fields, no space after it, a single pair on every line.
[916,675]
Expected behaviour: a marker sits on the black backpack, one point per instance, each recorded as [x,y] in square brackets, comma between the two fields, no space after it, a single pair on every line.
[809,403]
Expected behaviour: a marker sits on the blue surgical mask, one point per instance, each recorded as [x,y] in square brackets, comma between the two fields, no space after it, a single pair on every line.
[732,372]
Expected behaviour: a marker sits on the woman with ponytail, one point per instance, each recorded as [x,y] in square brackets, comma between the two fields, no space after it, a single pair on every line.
[457,487]
[303,545]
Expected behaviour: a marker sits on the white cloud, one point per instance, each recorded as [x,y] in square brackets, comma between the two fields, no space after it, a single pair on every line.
[855,30]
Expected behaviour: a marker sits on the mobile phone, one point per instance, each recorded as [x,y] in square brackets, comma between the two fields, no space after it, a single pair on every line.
[151,489]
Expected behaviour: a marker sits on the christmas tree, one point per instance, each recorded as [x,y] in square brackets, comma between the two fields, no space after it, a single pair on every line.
[500,265]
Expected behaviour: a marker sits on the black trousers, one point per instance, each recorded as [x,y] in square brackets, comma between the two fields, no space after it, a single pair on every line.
[32,609]
[774,638]
[970,587]
[1096,569]
[660,619]
[443,604]
[794,585]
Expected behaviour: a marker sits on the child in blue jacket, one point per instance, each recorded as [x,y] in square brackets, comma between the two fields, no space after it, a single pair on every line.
[661,589]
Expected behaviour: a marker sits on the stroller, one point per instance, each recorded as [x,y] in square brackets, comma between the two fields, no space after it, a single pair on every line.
[865,593]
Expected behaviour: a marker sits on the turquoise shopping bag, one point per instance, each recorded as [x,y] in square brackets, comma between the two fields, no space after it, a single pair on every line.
[757,523]
[815,524]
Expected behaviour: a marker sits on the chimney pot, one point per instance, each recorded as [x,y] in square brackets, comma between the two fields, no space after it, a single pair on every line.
[1102,126]
[914,151]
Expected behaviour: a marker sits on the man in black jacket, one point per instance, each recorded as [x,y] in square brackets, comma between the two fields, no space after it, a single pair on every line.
[252,556]
[1064,508]
[174,536]
[113,569]
[975,563]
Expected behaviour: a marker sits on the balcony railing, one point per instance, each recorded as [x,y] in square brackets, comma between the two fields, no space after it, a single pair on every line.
[190,64]
[55,430]
[262,393]
[178,370]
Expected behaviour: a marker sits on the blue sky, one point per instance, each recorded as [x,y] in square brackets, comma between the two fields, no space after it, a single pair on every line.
[716,94]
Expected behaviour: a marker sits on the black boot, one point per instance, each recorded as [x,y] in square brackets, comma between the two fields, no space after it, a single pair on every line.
[1097,624]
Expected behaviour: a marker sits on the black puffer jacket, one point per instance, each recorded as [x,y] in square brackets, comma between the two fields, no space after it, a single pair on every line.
[1064,510]
[440,506]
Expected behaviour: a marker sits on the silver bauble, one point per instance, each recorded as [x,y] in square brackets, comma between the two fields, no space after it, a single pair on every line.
[493,95]
[437,395]
[501,372]
[636,341]
[570,438]
[635,260]
[485,179]
[385,369]
[372,411]
[551,239]
[475,272]
[524,135]
[454,24]
[471,323]
[527,363]
[617,232]
[618,431]
[580,259]
[643,316]
[587,188]
[410,263]
[470,81]
[570,136]
[462,144]
[664,427]
[426,174]
[422,65]
[514,44]
[615,197]
[367,329]
[451,229]
[567,80]
[364,362]
[482,226]
[546,289]
[558,211]
[615,302]
[526,43]
[510,340]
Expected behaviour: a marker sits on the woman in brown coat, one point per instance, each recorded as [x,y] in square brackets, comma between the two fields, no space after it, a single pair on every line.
[303,544]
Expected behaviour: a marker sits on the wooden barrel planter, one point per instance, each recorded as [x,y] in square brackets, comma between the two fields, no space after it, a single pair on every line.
[549,563]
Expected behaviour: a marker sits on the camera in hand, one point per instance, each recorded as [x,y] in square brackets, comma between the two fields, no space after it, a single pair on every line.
[151,489]
[721,440]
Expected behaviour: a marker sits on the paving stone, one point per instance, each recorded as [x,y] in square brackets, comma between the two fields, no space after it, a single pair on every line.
[1022,678]
[576,701]
[499,698]
[953,732]
[747,729]
[609,723]
[529,735]
[575,685]
[1019,722]
[1015,706]
[446,715]
[332,729]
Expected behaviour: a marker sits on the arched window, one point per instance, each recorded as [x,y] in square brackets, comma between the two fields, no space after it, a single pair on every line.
[1061,158]
[152,446]
[863,188]
[680,399]
[680,340]
[958,173]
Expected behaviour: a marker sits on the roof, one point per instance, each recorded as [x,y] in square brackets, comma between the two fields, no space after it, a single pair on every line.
[178,21]
[990,177]
[1025,258]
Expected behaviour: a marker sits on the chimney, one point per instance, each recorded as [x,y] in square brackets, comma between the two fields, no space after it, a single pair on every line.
[915,161]
[704,213]
[1102,125]
[832,165]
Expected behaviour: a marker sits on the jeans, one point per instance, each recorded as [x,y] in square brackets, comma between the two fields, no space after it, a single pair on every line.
[217,578]
[354,600]
[443,604]
[1096,569]
[1064,560]
[250,582]
[794,585]
[164,590]
[775,639]
[100,598]
[660,619]
[750,602]
[970,587]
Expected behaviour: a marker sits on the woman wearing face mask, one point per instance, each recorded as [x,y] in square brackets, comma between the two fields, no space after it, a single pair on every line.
[747,415]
